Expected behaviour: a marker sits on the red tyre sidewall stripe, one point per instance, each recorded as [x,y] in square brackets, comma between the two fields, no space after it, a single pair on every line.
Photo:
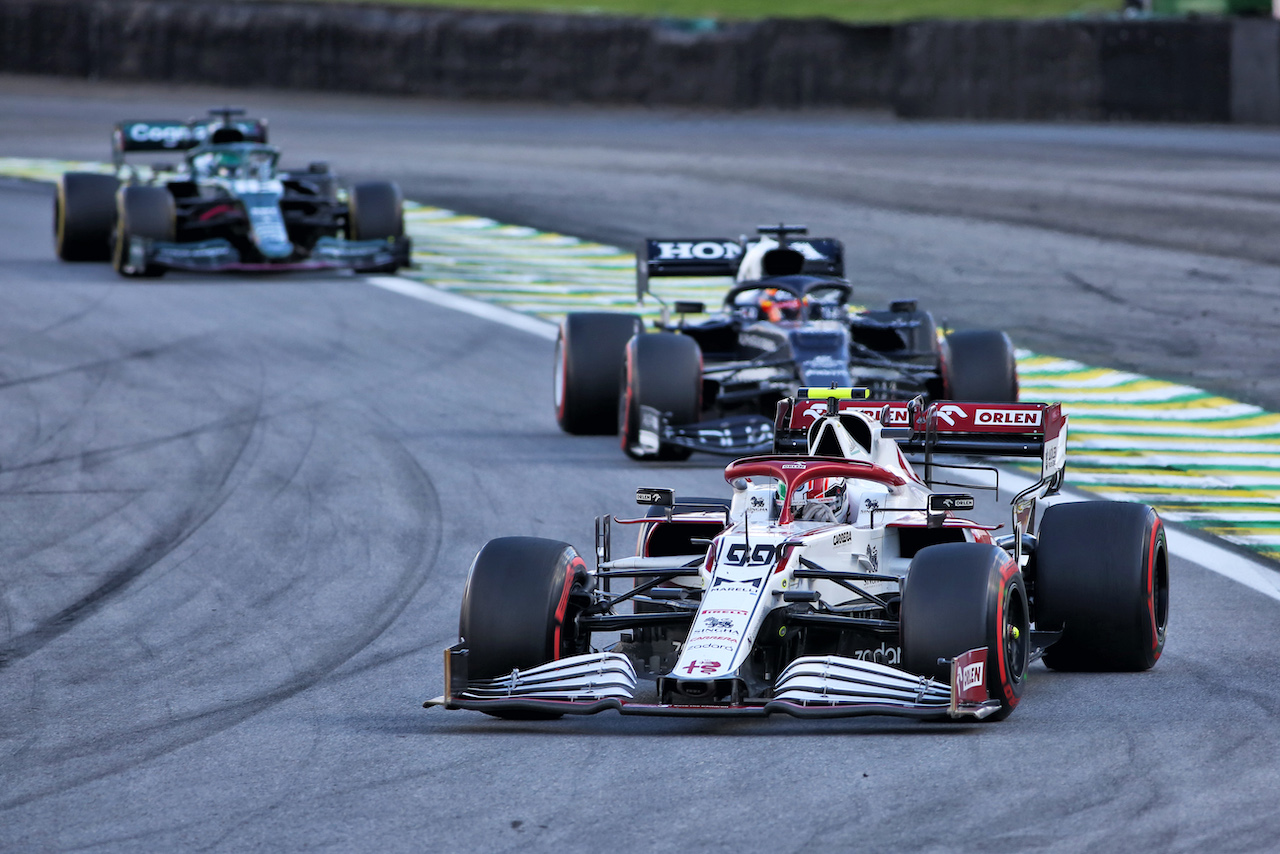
[563,606]
[625,426]
[562,404]
[1007,571]
[1149,584]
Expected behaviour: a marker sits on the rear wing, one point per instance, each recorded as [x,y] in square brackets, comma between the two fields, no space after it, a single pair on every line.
[173,136]
[721,256]
[944,427]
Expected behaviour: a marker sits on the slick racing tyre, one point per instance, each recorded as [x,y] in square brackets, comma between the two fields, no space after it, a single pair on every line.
[979,365]
[517,608]
[375,211]
[1101,574]
[963,596]
[84,215]
[590,351]
[141,212]
[662,370]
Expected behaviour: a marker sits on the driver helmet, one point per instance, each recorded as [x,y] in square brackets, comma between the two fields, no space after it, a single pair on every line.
[778,305]
[218,162]
[823,499]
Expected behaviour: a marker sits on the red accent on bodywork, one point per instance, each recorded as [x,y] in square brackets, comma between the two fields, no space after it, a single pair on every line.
[1027,419]
[981,535]
[968,691]
[217,210]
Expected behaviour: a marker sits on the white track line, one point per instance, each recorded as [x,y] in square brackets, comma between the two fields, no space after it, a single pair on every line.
[487,311]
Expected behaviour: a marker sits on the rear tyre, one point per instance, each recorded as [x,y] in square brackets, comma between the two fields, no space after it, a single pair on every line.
[84,215]
[662,370]
[375,211]
[590,351]
[516,610]
[141,212]
[979,365]
[963,596]
[1101,574]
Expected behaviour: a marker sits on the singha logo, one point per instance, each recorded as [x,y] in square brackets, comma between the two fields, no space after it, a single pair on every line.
[870,504]
[716,623]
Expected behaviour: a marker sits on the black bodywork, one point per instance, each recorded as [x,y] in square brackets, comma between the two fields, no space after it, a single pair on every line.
[752,360]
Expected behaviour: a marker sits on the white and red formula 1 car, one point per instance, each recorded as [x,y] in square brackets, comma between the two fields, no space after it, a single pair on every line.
[836,581]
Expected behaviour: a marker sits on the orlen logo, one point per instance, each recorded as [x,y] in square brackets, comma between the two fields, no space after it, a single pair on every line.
[897,414]
[168,135]
[706,250]
[1010,417]
[970,675]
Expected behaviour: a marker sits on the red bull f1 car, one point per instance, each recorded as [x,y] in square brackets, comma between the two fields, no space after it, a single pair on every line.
[835,581]
[225,205]
[712,384]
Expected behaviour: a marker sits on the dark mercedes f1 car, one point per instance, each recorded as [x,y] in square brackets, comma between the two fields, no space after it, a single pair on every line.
[712,384]
[224,206]
[835,581]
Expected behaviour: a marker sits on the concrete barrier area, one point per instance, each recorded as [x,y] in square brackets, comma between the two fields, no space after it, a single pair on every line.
[1210,69]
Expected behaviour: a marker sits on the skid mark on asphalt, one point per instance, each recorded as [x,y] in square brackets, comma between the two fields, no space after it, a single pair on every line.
[162,542]
[1204,461]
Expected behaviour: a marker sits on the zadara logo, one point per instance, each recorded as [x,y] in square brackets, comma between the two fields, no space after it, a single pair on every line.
[970,675]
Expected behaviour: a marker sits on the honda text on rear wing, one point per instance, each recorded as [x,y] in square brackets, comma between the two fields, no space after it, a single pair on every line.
[721,256]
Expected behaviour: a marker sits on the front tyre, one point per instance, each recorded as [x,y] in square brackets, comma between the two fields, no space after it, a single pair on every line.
[979,364]
[590,351]
[516,610]
[142,213]
[963,596]
[1101,574]
[375,211]
[84,216]
[662,370]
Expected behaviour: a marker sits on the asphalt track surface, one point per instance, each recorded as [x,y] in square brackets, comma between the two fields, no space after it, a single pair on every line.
[236,513]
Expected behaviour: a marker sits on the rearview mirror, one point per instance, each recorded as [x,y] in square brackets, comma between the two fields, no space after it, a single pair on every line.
[656,497]
[942,502]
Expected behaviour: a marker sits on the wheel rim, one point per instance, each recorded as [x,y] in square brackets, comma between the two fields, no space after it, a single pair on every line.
[1017,636]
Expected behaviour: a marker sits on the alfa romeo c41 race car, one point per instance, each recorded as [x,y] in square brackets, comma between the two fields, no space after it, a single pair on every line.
[224,206]
[712,384]
[834,582]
